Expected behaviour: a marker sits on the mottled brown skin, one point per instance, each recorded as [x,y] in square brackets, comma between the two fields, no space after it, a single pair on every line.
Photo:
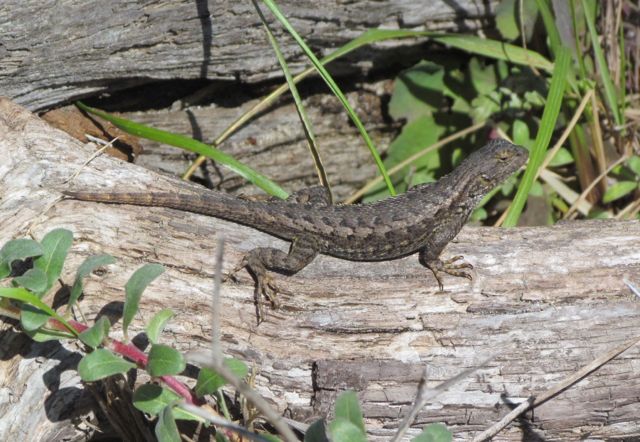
[424,219]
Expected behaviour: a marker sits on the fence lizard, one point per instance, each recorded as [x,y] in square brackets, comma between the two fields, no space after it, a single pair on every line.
[424,219]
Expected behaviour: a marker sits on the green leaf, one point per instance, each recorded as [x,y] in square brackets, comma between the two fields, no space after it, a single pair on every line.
[561,158]
[139,281]
[164,360]
[17,249]
[209,381]
[618,190]
[316,432]
[55,245]
[521,135]
[34,280]
[507,17]
[347,407]
[94,336]
[496,49]
[157,324]
[152,399]
[28,298]
[483,106]
[32,318]
[344,430]
[44,335]
[88,266]
[479,214]
[166,429]
[415,136]
[546,127]
[633,163]
[191,145]
[101,363]
[434,433]
[483,78]
[418,92]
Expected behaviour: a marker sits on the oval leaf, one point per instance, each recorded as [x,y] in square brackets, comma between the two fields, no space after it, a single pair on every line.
[44,335]
[94,336]
[561,158]
[157,324]
[633,163]
[209,381]
[32,318]
[100,364]
[434,433]
[55,245]
[139,281]
[347,407]
[17,249]
[166,429]
[34,280]
[164,360]
[88,266]
[618,190]
[152,399]
[344,430]
[316,432]
[20,294]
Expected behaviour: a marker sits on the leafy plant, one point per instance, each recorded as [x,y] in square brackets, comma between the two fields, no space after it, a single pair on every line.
[34,267]
[348,425]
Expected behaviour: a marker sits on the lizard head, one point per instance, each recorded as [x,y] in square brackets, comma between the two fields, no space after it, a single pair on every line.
[488,167]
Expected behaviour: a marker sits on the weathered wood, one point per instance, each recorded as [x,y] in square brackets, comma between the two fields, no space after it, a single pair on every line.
[544,302]
[52,52]
[274,143]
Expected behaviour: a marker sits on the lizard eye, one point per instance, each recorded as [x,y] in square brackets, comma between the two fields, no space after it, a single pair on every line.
[503,155]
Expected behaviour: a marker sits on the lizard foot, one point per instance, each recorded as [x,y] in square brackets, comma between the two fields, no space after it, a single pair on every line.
[265,286]
[450,267]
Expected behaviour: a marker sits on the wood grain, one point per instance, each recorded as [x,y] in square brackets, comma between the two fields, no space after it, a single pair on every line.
[53,52]
[544,302]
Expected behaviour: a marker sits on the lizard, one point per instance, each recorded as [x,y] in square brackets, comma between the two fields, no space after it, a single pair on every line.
[424,219]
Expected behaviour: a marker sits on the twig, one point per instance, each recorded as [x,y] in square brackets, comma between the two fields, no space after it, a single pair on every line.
[94,155]
[216,351]
[533,401]
[219,421]
[203,359]
[424,395]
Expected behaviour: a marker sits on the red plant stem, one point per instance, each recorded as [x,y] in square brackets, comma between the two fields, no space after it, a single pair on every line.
[132,353]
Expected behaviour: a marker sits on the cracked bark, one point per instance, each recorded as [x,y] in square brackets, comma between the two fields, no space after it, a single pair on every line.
[54,52]
[544,302]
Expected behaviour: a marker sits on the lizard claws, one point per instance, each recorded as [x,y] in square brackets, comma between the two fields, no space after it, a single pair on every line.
[450,267]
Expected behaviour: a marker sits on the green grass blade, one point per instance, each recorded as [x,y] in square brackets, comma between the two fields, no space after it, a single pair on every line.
[472,44]
[547,125]
[496,49]
[549,24]
[191,145]
[609,89]
[302,114]
[335,89]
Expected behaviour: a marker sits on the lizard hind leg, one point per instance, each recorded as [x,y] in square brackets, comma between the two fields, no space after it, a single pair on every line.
[260,260]
[455,266]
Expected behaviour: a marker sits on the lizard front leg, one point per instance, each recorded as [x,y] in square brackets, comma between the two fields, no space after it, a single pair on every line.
[453,266]
[258,261]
